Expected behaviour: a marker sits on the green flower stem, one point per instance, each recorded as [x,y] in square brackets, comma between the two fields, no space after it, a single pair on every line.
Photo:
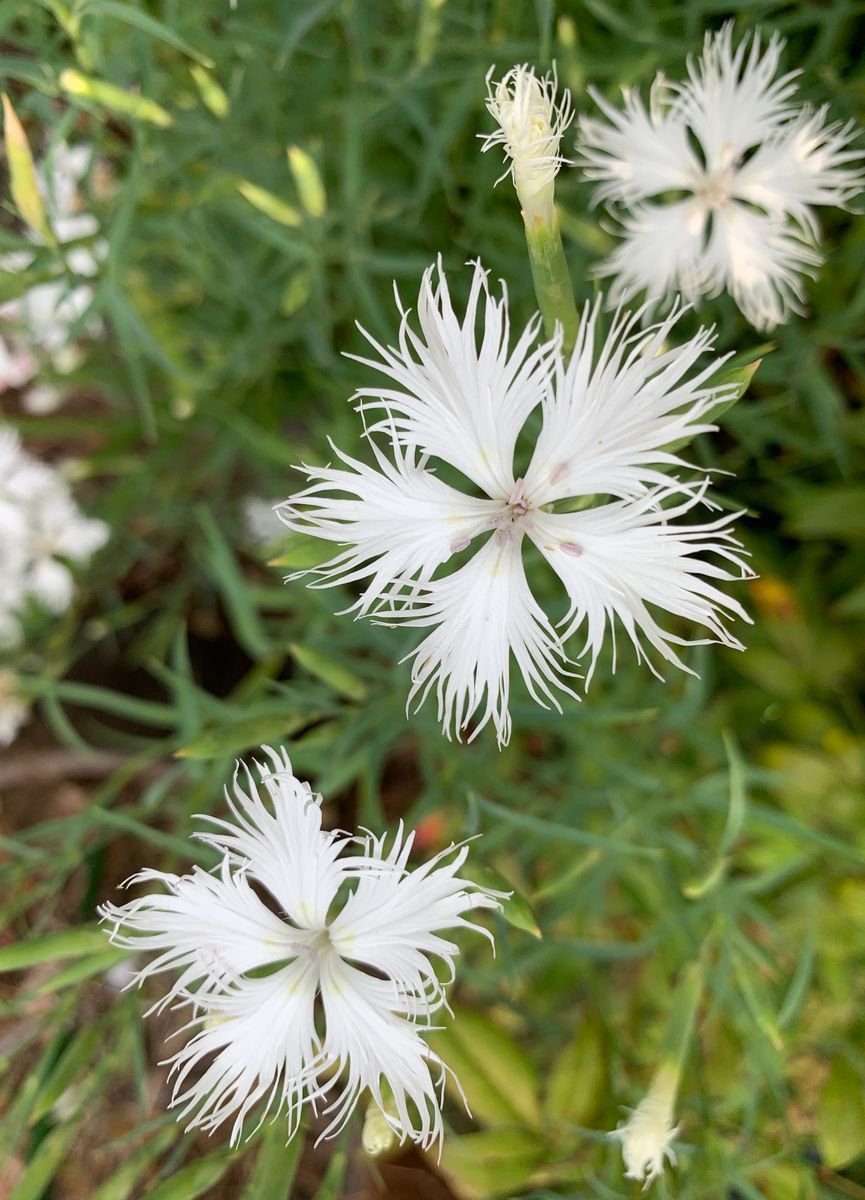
[680,1024]
[551,279]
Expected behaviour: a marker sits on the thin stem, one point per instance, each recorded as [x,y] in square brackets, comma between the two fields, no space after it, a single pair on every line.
[680,1023]
[552,279]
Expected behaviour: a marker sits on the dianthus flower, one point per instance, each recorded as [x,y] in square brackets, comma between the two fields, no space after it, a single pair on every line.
[295,913]
[41,530]
[610,415]
[714,185]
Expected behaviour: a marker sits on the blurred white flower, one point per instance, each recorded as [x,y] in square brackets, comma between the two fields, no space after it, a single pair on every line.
[609,418]
[358,929]
[38,324]
[17,365]
[647,1135]
[13,708]
[531,123]
[262,523]
[41,529]
[714,184]
[41,399]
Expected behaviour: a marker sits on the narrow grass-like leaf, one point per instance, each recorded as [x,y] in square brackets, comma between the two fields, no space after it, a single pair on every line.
[555,830]
[234,738]
[195,1178]
[49,1157]
[329,671]
[143,21]
[275,1165]
[232,586]
[77,1057]
[128,1178]
[67,943]
[22,174]
[117,100]
[84,968]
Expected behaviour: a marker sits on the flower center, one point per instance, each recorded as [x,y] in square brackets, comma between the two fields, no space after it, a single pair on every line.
[713,190]
[518,505]
[317,944]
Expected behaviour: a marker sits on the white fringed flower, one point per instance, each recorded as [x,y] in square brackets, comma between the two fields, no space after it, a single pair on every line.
[38,324]
[356,927]
[609,417]
[531,122]
[648,1133]
[714,185]
[41,531]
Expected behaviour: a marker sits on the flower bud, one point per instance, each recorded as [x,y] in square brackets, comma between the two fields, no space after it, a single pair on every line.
[647,1134]
[530,130]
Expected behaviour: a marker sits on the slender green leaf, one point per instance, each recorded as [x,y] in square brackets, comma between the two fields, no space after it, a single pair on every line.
[143,21]
[275,1165]
[194,1179]
[68,943]
[129,1177]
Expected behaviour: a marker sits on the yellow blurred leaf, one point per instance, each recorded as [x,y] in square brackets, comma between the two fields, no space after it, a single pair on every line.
[493,1162]
[241,735]
[499,1079]
[22,174]
[210,91]
[115,99]
[578,1077]
[269,204]
[329,671]
[516,909]
[299,554]
[308,181]
[841,1119]
[297,292]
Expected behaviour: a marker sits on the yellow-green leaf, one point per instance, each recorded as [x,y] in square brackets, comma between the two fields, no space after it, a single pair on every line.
[841,1118]
[194,1179]
[738,377]
[577,1078]
[210,91]
[308,181]
[116,99]
[296,294]
[499,1079]
[22,174]
[269,204]
[493,1162]
[299,552]
[241,735]
[329,671]
[516,909]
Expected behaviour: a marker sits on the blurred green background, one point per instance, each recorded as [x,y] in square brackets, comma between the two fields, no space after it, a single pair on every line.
[268,171]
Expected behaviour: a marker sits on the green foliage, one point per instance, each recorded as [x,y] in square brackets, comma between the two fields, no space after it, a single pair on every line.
[270,171]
